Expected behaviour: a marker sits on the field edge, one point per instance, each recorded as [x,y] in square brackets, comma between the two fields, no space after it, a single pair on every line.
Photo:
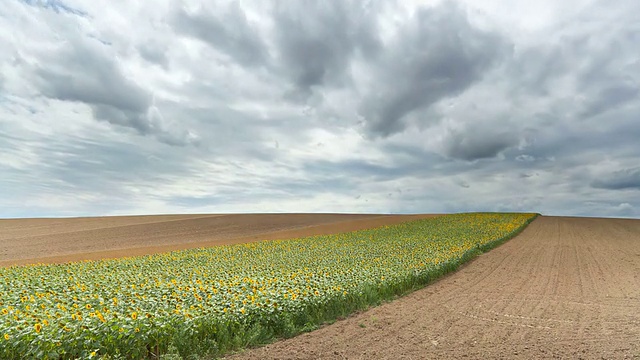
[376,296]
[213,337]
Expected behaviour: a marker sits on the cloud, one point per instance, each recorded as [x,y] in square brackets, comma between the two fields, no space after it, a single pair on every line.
[56,6]
[611,97]
[345,106]
[625,209]
[435,54]
[226,29]
[154,52]
[525,158]
[620,180]
[468,146]
[317,50]
[83,70]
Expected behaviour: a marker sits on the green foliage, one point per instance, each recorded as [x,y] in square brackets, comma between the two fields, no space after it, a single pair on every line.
[207,302]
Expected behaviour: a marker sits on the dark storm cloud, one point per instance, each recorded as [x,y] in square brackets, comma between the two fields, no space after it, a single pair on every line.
[317,50]
[620,180]
[436,54]
[226,29]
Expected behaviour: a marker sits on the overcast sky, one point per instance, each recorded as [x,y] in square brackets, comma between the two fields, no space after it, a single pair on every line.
[142,107]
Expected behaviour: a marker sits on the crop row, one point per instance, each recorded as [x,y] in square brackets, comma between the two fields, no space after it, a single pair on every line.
[210,301]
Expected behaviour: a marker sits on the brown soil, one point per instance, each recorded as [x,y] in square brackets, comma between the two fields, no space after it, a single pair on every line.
[565,288]
[26,241]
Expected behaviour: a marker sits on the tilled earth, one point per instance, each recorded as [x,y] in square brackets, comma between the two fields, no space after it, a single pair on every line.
[565,288]
[25,241]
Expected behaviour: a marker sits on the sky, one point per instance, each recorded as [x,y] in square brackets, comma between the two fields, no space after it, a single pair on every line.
[138,107]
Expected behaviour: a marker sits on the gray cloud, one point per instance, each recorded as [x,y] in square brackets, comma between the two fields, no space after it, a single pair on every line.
[576,69]
[82,70]
[317,50]
[620,180]
[436,54]
[611,97]
[471,146]
[56,6]
[225,28]
[625,209]
[123,117]
[154,53]
[538,68]
[380,106]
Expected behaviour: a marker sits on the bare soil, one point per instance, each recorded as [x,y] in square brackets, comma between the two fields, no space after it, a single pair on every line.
[565,288]
[27,241]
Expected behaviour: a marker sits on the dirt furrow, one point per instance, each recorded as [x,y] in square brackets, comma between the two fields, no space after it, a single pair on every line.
[564,288]
[25,241]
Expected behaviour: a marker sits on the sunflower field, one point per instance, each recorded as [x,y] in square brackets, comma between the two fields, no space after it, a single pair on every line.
[210,301]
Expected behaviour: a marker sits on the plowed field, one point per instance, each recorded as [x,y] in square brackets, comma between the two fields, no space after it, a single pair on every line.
[24,241]
[565,288]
